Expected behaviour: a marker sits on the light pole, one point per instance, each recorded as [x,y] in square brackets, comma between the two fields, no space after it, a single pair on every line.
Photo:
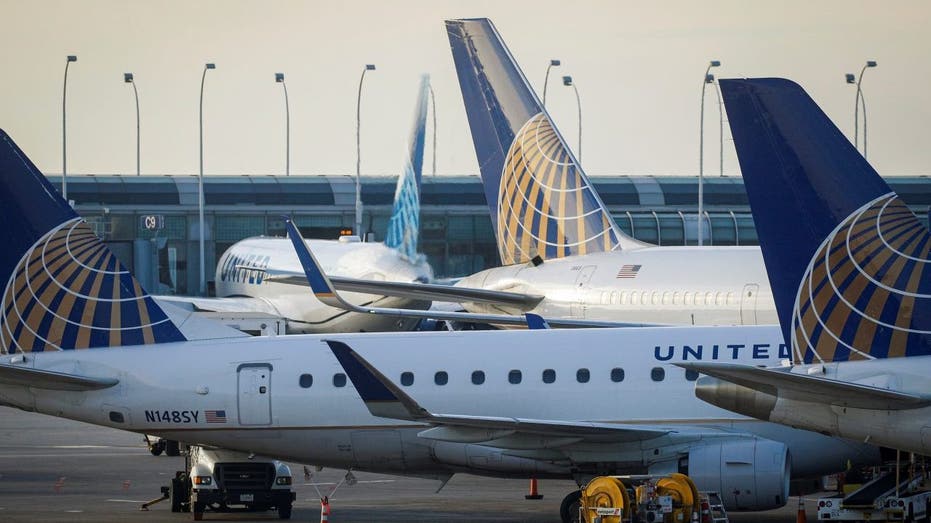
[200,191]
[368,67]
[64,130]
[701,150]
[717,89]
[433,108]
[856,106]
[279,77]
[129,79]
[567,80]
[546,79]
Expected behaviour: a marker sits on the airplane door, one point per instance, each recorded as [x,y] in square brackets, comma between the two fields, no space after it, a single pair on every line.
[577,309]
[255,394]
[748,304]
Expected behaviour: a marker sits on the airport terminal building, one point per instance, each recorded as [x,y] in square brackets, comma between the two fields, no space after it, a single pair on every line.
[151,222]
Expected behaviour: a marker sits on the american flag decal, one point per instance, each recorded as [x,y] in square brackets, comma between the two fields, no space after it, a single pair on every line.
[629,271]
[215,416]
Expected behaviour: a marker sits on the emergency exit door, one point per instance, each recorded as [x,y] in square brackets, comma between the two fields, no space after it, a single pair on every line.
[255,394]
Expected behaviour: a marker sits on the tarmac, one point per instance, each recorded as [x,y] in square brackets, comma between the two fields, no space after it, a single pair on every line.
[53,469]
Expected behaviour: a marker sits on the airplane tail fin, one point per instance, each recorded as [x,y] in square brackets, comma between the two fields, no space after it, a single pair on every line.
[845,256]
[64,289]
[541,201]
[404,226]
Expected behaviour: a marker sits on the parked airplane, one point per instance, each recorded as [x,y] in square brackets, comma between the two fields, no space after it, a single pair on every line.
[545,209]
[251,276]
[859,321]
[288,397]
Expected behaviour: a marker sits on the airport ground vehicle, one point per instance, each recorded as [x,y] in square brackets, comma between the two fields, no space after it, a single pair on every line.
[888,497]
[645,498]
[219,480]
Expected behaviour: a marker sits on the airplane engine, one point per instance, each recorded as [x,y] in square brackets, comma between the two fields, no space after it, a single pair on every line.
[749,475]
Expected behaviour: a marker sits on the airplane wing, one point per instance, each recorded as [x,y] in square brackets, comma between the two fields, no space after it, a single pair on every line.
[325,291]
[419,291]
[232,305]
[802,387]
[45,379]
[385,399]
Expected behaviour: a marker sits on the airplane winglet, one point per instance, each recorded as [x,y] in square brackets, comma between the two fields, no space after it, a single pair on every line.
[382,397]
[536,322]
[319,283]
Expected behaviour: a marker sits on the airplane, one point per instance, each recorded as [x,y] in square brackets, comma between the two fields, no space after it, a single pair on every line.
[255,274]
[530,403]
[858,323]
[555,236]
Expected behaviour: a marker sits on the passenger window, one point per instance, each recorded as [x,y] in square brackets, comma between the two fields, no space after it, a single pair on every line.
[615,298]
[549,376]
[441,378]
[306,380]
[732,298]
[687,299]
[634,297]
[658,374]
[617,374]
[709,298]
[675,298]
[625,298]
[667,298]
[582,375]
[691,375]
[478,377]
[719,299]
[644,298]
[339,380]
[655,298]
[407,379]
[514,377]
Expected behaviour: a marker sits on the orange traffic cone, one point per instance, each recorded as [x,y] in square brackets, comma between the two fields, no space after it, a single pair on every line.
[533,490]
[801,518]
[324,509]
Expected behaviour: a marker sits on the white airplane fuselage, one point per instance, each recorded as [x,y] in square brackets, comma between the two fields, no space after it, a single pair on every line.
[658,285]
[241,272]
[287,397]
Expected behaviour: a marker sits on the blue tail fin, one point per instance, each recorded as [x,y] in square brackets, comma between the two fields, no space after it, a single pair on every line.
[64,289]
[845,256]
[404,226]
[541,202]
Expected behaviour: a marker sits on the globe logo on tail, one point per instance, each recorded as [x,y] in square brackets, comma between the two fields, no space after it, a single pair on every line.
[859,295]
[546,206]
[68,291]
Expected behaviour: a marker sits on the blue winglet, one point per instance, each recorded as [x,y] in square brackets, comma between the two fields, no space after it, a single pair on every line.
[536,322]
[318,281]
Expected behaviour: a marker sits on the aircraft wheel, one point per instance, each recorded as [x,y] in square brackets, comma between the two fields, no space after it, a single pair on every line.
[569,508]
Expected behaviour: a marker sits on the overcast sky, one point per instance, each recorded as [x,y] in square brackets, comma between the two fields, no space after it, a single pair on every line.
[638,67]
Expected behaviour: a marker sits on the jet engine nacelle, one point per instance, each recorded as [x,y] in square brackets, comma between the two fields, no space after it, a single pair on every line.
[750,475]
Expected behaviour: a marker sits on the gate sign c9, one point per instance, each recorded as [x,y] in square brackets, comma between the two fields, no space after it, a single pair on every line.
[152,222]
